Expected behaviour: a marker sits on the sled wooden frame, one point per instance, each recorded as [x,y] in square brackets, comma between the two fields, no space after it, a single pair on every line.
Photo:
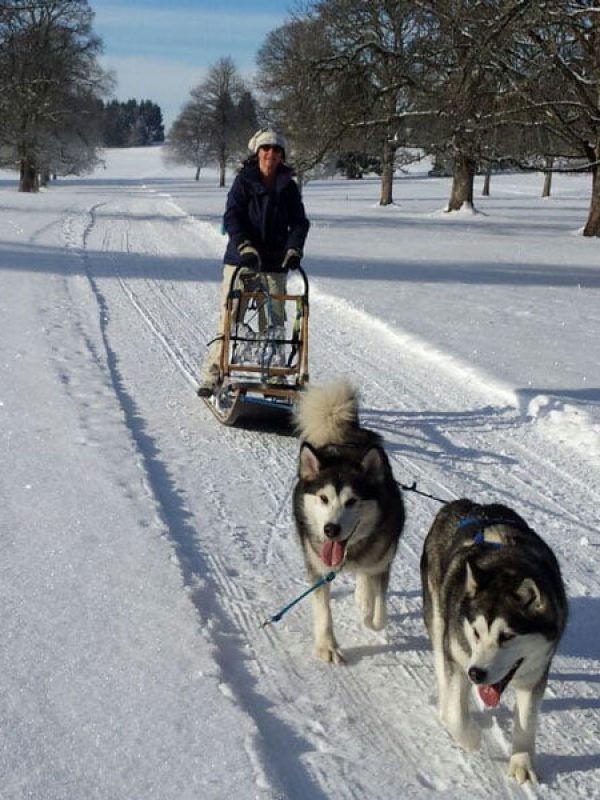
[242,394]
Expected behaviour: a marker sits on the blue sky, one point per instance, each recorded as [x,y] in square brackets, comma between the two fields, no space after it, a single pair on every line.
[159,50]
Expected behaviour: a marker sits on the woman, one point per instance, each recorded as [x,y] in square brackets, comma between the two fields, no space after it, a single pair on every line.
[267,228]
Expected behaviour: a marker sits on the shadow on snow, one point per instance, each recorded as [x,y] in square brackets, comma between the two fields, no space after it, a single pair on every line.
[55,260]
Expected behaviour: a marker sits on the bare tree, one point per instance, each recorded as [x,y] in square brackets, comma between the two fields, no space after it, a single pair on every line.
[189,140]
[220,95]
[220,90]
[475,83]
[215,123]
[460,49]
[50,83]
[375,39]
[555,71]
[294,95]
[338,78]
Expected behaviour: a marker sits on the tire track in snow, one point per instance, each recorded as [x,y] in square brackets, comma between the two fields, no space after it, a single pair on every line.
[202,575]
[282,489]
[367,723]
[237,602]
[178,358]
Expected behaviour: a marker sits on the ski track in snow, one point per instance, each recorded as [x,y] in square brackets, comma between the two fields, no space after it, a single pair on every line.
[456,434]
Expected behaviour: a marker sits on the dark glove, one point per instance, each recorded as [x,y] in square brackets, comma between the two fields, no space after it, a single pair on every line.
[249,257]
[292,259]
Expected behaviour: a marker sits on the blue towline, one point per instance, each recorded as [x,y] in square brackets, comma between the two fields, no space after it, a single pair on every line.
[327,578]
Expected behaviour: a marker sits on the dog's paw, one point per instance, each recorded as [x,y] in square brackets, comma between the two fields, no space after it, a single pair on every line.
[330,653]
[379,618]
[374,623]
[520,767]
[467,736]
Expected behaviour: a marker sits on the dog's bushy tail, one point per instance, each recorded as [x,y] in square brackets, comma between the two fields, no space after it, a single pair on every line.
[327,414]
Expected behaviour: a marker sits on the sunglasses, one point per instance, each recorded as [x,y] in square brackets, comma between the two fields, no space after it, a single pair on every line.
[274,147]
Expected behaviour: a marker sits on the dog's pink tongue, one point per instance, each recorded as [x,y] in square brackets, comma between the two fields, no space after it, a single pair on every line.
[490,695]
[332,553]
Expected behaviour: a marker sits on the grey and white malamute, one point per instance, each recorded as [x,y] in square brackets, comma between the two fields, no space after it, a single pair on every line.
[347,506]
[495,608]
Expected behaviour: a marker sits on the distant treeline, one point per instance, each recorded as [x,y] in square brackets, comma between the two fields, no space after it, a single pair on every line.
[132,123]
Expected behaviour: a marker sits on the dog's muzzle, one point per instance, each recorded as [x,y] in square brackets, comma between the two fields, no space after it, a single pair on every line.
[491,693]
[331,530]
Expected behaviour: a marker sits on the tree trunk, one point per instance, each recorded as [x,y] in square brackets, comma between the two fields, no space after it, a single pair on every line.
[387,174]
[28,181]
[485,192]
[462,183]
[44,178]
[546,191]
[592,226]
[198,173]
[222,165]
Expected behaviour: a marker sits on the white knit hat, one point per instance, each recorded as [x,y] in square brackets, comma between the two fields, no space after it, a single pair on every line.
[267,136]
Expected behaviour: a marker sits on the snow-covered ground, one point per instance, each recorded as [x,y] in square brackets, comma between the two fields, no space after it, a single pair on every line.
[142,543]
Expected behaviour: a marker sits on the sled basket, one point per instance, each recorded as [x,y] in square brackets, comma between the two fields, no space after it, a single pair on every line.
[264,349]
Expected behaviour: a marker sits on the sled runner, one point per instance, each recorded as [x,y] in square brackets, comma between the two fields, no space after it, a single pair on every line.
[264,350]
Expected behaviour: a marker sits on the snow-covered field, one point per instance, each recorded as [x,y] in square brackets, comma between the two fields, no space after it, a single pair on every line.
[142,543]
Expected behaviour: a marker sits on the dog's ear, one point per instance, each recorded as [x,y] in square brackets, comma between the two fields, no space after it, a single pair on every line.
[373,464]
[309,466]
[530,597]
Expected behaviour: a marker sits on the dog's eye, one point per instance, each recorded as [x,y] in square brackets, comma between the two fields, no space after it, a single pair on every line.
[505,637]
[324,499]
[351,502]
[476,634]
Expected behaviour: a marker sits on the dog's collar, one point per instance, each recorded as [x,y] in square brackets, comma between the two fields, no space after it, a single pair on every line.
[480,525]
[479,538]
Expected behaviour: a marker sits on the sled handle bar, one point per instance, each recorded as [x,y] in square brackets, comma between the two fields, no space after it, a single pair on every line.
[238,269]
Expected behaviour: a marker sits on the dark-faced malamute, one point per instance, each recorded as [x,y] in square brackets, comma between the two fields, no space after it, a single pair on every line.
[495,608]
[347,506]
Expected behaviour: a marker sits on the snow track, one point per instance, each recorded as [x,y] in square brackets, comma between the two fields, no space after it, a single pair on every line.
[146,299]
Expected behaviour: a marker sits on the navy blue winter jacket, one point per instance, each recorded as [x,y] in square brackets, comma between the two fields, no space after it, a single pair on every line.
[271,220]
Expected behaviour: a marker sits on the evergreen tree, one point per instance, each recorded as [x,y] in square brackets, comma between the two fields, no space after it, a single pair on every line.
[132,124]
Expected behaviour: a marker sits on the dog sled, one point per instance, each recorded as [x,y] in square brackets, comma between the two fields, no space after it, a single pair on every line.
[264,351]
